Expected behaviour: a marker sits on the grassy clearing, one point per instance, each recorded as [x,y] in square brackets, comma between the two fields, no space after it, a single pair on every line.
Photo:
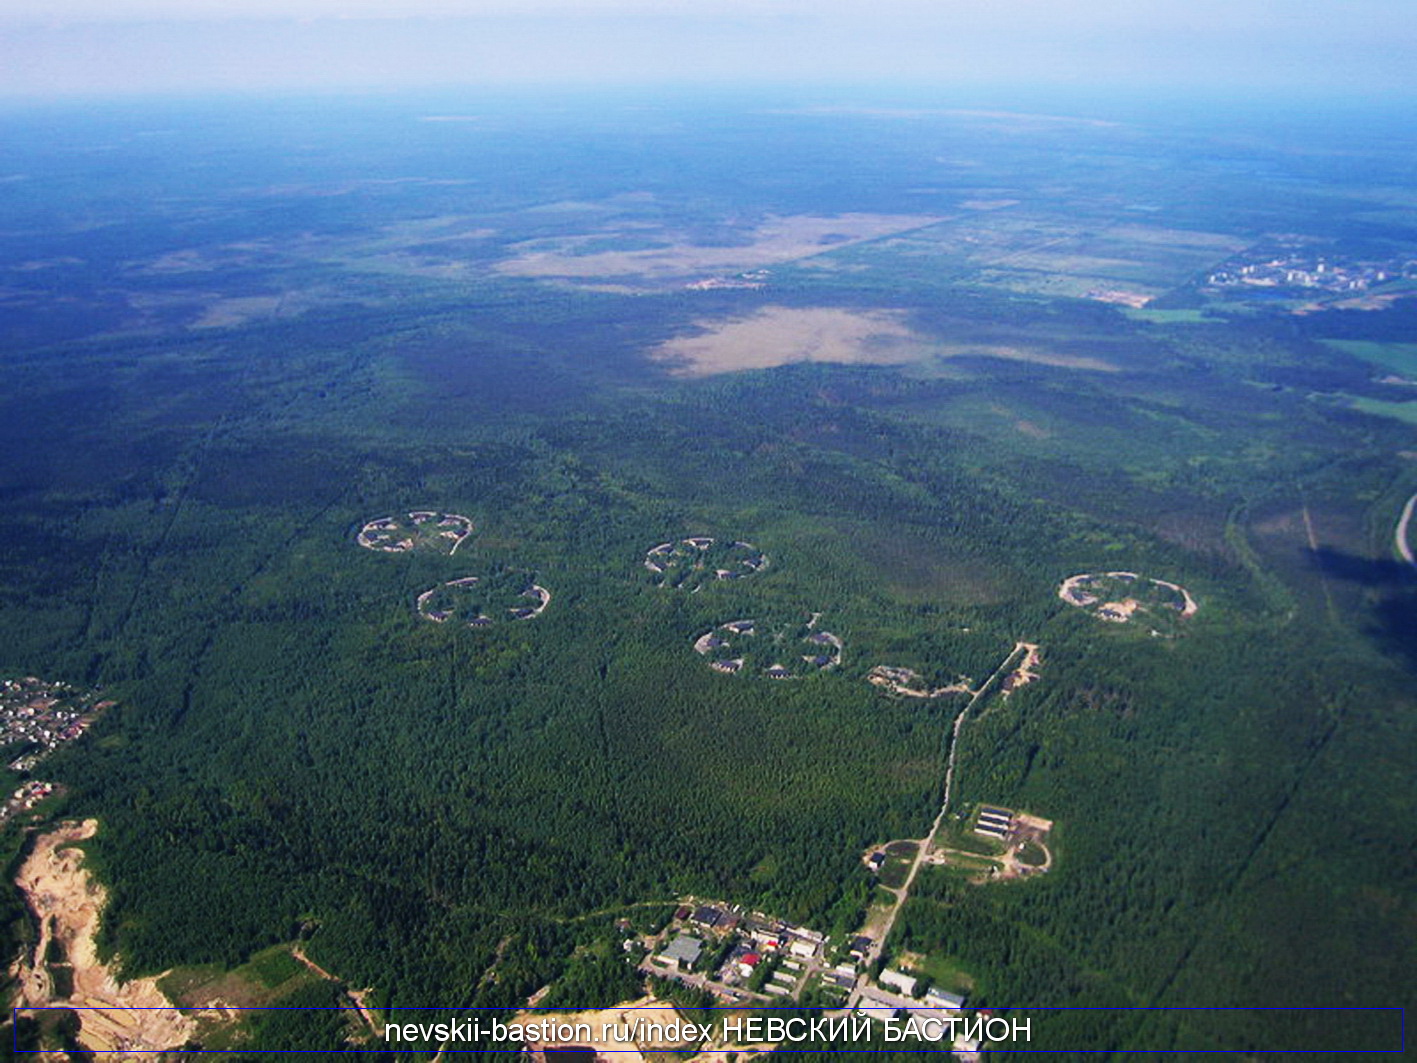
[267,975]
[1401,411]
[946,973]
[894,871]
[1399,357]
[971,864]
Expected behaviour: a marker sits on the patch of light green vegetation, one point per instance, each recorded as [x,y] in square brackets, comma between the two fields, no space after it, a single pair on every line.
[1402,411]
[1399,357]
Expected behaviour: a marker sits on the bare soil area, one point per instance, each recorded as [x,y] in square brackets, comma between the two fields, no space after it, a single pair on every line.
[620,1026]
[1026,672]
[780,335]
[68,905]
[775,240]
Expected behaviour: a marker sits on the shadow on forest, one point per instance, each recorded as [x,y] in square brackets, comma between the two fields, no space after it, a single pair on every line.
[1394,623]
[1370,572]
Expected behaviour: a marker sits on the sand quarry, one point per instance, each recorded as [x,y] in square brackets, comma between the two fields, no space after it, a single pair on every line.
[618,1035]
[67,904]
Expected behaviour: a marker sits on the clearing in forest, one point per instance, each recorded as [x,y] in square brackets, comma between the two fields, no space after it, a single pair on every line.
[648,253]
[786,335]
[994,844]
[770,648]
[687,564]
[1121,597]
[906,682]
[483,601]
[419,529]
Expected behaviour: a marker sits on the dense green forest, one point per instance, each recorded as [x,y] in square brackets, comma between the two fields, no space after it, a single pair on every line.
[454,816]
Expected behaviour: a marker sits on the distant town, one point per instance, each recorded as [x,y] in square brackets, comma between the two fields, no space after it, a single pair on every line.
[1306,268]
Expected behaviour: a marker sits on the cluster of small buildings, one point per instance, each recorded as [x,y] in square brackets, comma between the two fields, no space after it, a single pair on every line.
[660,559]
[747,956]
[426,609]
[25,798]
[379,535]
[1087,589]
[994,822]
[1310,272]
[44,715]
[392,536]
[820,640]
[910,683]
[743,941]
[720,639]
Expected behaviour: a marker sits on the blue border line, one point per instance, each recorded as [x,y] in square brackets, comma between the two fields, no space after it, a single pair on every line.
[15,1011]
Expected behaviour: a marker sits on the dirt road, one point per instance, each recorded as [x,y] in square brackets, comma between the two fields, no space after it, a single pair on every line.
[928,843]
[357,997]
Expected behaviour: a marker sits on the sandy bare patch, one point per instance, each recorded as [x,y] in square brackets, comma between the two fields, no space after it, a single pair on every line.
[224,313]
[1026,672]
[614,1031]
[1121,297]
[778,239]
[780,335]
[67,904]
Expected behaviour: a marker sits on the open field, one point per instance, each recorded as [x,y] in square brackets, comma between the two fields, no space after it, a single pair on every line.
[1398,357]
[779,335]
[770,242]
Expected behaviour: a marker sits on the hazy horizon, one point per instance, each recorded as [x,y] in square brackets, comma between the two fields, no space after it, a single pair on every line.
[1247,48]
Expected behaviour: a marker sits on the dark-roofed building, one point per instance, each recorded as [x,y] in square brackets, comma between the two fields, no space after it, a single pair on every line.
[938,998]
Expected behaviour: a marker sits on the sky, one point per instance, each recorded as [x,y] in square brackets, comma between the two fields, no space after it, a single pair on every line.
[1351,48]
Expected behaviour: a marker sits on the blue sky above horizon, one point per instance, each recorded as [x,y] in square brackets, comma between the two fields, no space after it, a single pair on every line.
[1353,49]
